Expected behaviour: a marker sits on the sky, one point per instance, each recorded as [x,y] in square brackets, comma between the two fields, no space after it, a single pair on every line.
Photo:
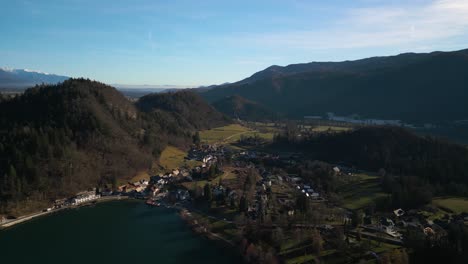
[204,42]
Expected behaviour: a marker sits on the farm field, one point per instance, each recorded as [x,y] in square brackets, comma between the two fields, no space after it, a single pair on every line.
[454,204]
[220,134]
[228,178]
[362,190]
[330,128]
[231,133]
[172,158]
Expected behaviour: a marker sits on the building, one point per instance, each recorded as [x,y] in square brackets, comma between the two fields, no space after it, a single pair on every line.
[399,212]
[85,197]
[182,195]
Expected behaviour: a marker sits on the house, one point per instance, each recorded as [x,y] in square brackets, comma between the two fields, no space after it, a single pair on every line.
[182,195]
[399,212]
[296,179]
[155,179]
[386,222]
[161,181]
[428,231]
[155,191]
[207,159]
[218,190]
[85,197]
[233,195]
[107,192]
[390,230]
[314,195]
[60,202]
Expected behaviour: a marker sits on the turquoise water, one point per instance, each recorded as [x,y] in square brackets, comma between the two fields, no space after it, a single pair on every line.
[113,232]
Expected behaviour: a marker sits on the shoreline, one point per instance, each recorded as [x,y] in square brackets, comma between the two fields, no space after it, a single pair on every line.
[186,215]
[26,218]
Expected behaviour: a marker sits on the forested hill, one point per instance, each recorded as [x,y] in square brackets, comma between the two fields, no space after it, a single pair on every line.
[424,164]
[56,140]
[411,87]
[189,109]
[238,107]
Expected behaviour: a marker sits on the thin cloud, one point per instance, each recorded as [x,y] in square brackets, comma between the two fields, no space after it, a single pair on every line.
[375,27]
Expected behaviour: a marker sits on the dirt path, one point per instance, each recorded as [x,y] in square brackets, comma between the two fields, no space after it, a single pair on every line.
[231,136]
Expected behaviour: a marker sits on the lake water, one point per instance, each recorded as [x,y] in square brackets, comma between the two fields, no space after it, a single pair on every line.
[113,232]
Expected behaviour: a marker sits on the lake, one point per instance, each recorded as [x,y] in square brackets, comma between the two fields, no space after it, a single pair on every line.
[113,232]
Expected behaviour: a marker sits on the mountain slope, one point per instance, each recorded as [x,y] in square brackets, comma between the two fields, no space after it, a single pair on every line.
[239,107]
[394,149]
[189,108]
[56,140]
[21,78]
[411,87]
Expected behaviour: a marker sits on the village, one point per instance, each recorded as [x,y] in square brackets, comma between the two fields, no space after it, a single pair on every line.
[232,189]
[248,187]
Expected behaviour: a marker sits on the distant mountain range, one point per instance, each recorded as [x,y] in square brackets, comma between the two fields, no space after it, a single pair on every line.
[427,87]
[22,78]
[17,80]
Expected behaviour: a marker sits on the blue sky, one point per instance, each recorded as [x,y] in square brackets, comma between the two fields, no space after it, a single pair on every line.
[199,42]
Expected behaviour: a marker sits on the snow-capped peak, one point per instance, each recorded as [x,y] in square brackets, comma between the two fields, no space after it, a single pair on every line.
[12,70]
[7,69]
[34,71]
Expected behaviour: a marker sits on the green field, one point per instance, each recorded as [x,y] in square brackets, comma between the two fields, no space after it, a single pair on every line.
[454,204]
[301,259]
[230,133]
[174,158]
[221,134]
[227,175]
[361,190]
[330,128]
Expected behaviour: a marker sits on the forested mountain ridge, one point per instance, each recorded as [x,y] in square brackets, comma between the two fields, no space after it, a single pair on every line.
[238,107]
[56,140]
[411,87]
